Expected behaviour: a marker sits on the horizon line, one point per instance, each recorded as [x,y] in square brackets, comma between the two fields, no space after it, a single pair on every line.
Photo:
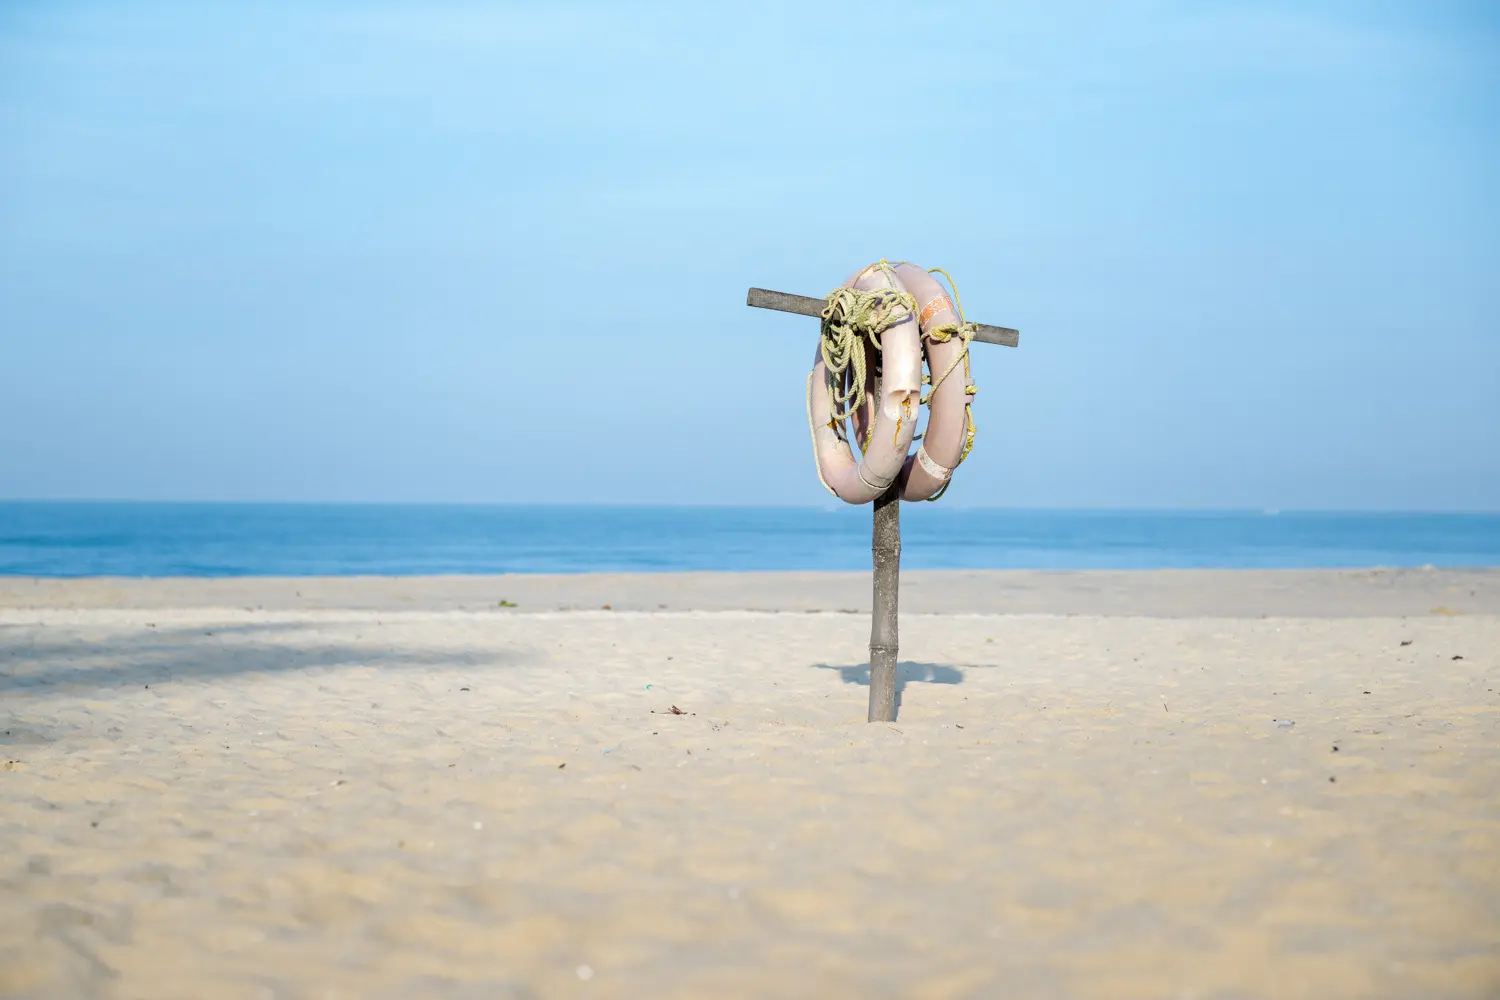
[822,508]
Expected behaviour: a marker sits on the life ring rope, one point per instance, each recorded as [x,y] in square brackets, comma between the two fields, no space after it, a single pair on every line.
[853,318]
[813,433]
[964,330]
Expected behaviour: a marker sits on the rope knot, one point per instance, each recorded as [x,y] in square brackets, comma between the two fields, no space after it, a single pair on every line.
[853,319]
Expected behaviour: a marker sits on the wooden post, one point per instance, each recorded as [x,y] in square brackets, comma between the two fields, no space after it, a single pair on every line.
[885,641]
[885,535]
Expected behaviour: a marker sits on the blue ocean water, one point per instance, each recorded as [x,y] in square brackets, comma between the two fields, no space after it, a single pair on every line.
[166,539]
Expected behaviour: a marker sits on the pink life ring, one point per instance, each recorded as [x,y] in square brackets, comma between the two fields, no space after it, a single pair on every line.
[884,426]
[946,439]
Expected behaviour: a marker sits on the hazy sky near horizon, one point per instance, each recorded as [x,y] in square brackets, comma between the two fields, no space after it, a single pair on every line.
[462,251]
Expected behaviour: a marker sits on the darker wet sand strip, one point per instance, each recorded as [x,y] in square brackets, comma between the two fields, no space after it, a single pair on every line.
[1151,593]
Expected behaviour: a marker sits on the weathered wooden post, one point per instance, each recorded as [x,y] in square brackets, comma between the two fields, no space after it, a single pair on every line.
[885,536]
[885,639]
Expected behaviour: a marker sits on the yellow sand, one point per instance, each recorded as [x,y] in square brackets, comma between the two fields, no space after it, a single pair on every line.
[415,801]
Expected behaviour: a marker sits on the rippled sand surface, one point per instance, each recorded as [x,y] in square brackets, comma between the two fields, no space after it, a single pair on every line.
[412,800]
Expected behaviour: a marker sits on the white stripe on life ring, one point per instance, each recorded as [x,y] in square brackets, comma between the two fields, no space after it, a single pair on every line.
[930,467]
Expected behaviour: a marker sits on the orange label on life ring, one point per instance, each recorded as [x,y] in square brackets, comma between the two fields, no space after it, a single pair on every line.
[934,307]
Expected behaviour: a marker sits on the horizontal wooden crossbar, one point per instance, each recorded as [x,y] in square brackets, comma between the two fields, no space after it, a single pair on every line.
[805,305]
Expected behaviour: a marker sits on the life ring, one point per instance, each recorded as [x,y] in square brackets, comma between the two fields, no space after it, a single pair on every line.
[884,427]
[946,440]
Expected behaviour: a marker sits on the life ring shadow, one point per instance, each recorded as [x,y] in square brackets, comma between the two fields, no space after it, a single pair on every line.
[907,672]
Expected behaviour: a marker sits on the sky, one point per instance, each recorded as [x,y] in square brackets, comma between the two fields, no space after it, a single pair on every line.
[498,252]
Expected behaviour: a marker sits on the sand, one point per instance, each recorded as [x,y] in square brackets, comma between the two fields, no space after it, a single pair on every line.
[1100,785]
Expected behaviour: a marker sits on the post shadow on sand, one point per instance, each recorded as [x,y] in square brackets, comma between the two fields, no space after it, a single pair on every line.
[907,672]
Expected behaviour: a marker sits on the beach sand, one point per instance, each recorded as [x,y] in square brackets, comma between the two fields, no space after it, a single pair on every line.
[1116,785]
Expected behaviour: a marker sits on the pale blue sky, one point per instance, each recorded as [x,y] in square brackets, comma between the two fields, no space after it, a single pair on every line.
[499,252]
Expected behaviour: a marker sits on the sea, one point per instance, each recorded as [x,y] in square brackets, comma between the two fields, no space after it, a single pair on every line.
[80,539]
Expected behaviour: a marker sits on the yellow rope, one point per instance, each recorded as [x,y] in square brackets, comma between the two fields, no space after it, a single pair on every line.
[852,319]
[813,433]
[964,330]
